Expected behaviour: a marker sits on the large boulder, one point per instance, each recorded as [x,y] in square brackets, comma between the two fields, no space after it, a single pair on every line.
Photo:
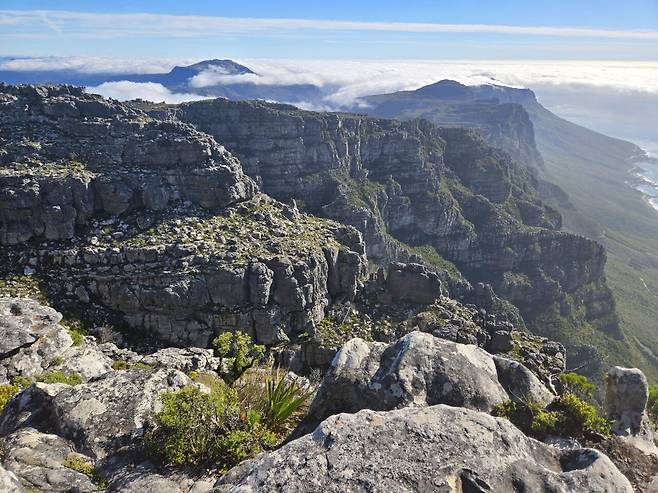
[36,343]
[38,459]
[9,482]
[417,370]
[438,448]
[100,417]
[627,393]
[413,283]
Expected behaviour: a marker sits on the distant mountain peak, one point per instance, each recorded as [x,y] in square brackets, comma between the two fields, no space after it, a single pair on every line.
[445,89]
[227,66]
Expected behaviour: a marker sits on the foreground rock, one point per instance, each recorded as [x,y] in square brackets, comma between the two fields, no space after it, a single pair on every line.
[438,448]
[627,393]
[36,343]
[418,370]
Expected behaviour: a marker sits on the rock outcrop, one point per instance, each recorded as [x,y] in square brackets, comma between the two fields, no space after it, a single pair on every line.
[36,343]
[418,370]
[437,448]
[155,224]
[627,392]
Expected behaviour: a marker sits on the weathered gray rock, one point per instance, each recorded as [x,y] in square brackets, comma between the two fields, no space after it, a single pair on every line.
[22,322]
[145,478]
[627,392]
[413,283]
[183,359]
[30,408]
[86,360]
[113,162]
[417,370]
[437,448]
[99,417]
[419,184]
[38,460]
[47,345]
[176,238]
[520,383]
[111,412]
[9,481]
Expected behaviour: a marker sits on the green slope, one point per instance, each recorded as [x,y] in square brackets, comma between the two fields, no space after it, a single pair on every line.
[593,170]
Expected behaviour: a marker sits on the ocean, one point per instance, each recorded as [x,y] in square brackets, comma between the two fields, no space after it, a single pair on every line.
[645,173]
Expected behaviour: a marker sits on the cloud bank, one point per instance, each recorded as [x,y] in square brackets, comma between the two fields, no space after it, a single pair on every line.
[92,65]
[618,98]
[149,91]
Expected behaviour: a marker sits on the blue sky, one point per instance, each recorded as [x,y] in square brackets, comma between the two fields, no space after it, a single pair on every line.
[412,29]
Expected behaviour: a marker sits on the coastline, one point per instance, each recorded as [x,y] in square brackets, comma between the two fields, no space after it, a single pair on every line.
[644,173]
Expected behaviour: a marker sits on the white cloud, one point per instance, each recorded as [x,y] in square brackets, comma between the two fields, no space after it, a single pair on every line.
[347,80]
[144,24]
[618,98]
[125,90]
[94,65]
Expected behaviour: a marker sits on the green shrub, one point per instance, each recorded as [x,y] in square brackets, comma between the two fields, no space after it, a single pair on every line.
[56,361]
[76,330]
[77,463]
[578,416]
[238,353]
[577,384]
[126,365]
[7,391]
[546,422]
[283,398]
[505,409]
[22,382]
[207,429]
[58,376]
[568,415]
[652,403]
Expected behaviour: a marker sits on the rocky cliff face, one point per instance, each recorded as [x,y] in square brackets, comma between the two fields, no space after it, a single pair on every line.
[156,225]
[422,186]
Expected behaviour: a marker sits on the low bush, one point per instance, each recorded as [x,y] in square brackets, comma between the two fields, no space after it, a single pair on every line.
[76,330]
[229,423]
[58,376]
[568,415]
[207,429]
[577,384]
[126,365]
[77,463]
[237,352]
[7,391]
[22,382]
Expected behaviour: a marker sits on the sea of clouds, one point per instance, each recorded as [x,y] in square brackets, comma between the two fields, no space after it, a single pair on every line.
[617,98]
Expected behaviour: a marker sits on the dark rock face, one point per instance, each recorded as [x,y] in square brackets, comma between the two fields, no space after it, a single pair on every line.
[414,183]
[157,224]
[413,283]
[438,448]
